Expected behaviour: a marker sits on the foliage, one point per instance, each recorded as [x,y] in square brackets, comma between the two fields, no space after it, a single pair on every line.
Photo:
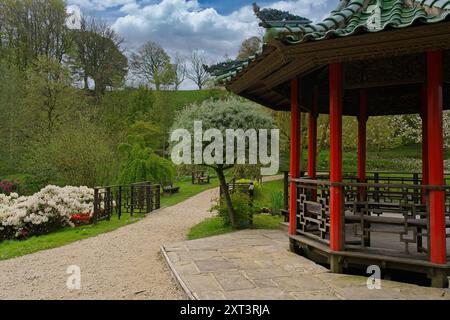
[409,128]
[8,186]
[257,186]
[75,155]
[232,113]
[243,211]
[249,47]
[276,202]
[98,55]
[49,93]
[12,133]
[46,211]
[142,164]
[152,64]
[33,28]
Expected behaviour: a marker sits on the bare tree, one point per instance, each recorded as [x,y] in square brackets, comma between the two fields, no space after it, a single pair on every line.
[153,65]
[180,70]
[197,72]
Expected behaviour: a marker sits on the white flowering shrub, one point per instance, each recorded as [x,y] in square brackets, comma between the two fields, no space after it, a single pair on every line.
[43,212]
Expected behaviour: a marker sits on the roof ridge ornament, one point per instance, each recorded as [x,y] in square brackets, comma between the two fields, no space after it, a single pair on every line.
[266,15]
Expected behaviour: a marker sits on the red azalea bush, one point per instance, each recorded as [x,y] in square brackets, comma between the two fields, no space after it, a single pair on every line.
[7,186]
[81,219]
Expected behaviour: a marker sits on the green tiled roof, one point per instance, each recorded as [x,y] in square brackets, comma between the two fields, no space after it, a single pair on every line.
[357,16]
[349,18]
[226,71]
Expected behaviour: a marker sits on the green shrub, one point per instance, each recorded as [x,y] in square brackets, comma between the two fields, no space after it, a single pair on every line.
[276,202]
[257,191]
[241,204]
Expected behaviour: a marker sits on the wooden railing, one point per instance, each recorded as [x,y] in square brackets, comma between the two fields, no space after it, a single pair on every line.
[138,198]
[391,217]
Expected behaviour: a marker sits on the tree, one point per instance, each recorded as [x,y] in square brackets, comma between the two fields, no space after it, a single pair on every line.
[197,72]
[249,48]
[49,94]
[11,129]
[180,70]
[77,154]
[142,164]
[152,64]
[98,55]
[33,28]
[232,113]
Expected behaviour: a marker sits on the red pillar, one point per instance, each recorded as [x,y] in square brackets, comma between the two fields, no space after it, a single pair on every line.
[424,117]
[362,140]
[295,159]
[312,136]
[436,157]
[336,199]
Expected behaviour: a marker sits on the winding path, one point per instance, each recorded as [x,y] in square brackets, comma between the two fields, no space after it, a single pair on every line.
[123,264]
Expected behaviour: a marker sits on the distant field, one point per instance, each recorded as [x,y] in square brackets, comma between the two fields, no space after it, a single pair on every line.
[179,99]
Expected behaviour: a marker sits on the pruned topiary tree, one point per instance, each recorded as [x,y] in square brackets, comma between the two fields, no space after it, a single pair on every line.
[218,117]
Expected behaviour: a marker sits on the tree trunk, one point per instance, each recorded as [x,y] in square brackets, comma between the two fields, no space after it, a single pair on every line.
[226,194]
[323,138]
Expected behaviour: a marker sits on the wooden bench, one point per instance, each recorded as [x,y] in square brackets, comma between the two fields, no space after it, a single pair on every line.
[171,189]
[199,177]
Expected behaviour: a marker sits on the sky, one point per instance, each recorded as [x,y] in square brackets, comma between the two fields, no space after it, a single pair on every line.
[216,27]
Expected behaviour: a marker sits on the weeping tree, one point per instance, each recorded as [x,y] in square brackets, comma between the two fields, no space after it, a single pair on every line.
[216,118]
[140,163]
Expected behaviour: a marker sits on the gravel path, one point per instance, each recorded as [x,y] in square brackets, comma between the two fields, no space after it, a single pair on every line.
[123,264]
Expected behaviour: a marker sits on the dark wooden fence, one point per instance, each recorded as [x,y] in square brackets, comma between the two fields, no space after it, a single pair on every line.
[138,198]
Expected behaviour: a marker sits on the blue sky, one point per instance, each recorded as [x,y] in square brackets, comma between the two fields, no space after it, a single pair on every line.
[180,26]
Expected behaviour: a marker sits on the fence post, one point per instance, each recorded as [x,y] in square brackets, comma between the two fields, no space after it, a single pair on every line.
[416,191]
[119,202]
[109,203]
[131,200]
[149,198]
[376,176]
[158,197]
[96,205]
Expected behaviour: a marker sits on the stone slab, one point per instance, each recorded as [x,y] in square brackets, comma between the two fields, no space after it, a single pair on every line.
[257,265]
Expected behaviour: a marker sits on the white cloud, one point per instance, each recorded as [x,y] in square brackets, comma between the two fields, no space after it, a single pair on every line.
[74,19]
[183,25]
[99,5]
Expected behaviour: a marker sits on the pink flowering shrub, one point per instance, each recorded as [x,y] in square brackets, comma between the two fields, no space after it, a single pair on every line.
[48,210]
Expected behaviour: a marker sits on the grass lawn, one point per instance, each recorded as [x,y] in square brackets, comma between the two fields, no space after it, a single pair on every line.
[14,248]
[214,226]
[399,159]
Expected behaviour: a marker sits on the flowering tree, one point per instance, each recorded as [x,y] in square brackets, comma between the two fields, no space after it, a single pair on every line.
[223,115]
[409,128]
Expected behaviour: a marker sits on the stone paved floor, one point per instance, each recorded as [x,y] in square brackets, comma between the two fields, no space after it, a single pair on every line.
[256,264]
